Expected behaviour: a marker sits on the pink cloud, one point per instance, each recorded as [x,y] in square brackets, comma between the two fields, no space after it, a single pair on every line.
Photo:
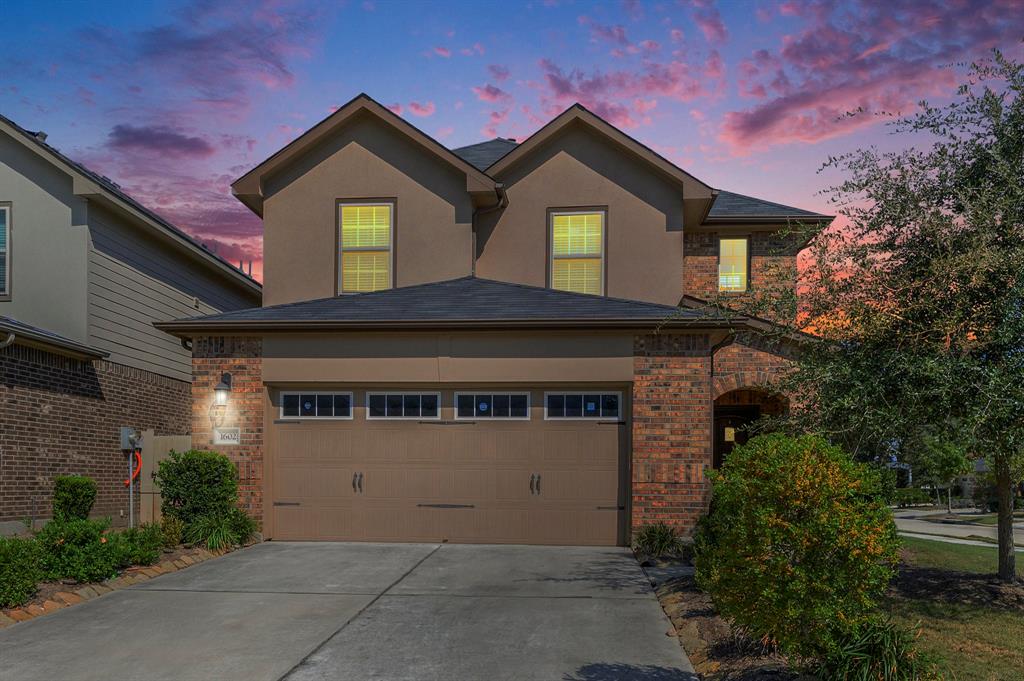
[494,119]
[650,45]
[498,72]
[599,32]
[676,35]
[490,93]
[477,49]
[395,108]
[878,59]
[446,131]
[709,21]
[418,109]
[442,52]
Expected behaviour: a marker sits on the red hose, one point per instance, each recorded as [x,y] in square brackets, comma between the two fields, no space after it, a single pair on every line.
[138,467]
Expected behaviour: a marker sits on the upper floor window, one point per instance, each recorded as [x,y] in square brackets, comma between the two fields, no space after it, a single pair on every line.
[577,252]
[733,263]
[5,250]
[366,238]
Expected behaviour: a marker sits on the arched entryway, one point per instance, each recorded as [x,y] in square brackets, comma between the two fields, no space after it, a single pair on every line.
[735,410]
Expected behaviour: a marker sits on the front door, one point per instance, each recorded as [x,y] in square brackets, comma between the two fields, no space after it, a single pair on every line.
[730,429]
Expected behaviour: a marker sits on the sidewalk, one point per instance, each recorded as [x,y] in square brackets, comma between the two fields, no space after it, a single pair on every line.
[910,522]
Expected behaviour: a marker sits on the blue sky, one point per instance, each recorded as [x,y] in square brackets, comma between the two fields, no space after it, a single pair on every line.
[174,100]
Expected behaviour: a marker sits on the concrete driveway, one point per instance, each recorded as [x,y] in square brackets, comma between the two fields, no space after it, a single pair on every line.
[300,611]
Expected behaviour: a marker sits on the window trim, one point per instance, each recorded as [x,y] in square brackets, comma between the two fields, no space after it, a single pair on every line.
[300,417]
[577,210]
[370,393]
[339,252]
[718,268]
[606,419]
[484,391]
[5,294]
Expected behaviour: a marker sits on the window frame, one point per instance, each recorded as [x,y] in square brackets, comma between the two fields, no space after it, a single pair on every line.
[577,210]
[607,419]
[370,393]
[484,391]
[300,417]
[718,268]
[339,250]
[5,291]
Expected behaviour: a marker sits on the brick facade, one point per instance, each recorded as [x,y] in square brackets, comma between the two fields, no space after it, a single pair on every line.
[242,358]
[772,258]
[674,393]
[60,416]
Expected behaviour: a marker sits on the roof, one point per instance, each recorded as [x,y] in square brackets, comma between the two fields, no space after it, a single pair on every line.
[104,186]
[484,154]
[468,302]
[249,187]
[33,336]
[729,206]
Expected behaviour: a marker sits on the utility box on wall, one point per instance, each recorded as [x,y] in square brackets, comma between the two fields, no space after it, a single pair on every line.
[131,438]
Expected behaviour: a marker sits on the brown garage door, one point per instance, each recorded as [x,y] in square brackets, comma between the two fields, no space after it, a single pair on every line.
[531,480]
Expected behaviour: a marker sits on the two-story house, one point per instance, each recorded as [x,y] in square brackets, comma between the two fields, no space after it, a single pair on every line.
[84,272]
[483,344]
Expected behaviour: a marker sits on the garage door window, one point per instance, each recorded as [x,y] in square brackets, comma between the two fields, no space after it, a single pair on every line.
[492,406]
[581,405]
[403,405]
[316,405]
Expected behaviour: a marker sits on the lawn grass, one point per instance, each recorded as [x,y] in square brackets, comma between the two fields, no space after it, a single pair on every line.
[970,641]
[955,557]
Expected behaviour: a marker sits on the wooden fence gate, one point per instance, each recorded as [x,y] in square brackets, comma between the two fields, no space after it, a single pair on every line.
[155,448]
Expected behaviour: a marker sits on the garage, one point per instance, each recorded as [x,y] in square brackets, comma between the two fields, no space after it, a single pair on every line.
[472,464]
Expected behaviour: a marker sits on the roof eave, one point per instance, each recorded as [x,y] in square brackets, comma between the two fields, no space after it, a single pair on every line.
[186,328]
[60,346]
[765,219]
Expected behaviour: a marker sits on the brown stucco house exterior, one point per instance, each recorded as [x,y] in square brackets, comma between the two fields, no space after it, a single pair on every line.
[85,270]
[485,344]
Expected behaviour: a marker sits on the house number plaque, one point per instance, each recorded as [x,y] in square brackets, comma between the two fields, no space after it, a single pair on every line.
[227,436]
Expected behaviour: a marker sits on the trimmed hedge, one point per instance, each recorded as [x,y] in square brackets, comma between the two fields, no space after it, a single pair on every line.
[73,497]
[799,546]
[77,549]
[195,484]
[20,570]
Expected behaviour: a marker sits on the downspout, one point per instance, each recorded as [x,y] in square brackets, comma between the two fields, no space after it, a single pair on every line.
[502,202]
[7,341]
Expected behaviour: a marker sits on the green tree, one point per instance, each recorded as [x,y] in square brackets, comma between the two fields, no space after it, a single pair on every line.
[914,308]
[940,462]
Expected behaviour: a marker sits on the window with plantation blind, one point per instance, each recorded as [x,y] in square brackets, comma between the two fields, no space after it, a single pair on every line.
[367,233]
[732,265]
[577,251]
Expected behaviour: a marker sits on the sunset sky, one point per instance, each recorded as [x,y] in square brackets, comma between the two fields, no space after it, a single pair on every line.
[175,100]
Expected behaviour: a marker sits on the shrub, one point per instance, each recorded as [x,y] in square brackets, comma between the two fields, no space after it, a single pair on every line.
[658,540]
[195,483]
[221,530]
[19,570]
[137,546]
[878,649]
[77,549]
[798,546]
[73,497]
[911,496]
[173,530]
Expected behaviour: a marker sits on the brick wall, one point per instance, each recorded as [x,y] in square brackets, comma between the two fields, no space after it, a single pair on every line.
[772,257]
[672,412]
[60,416]
[673,409]
[242,358]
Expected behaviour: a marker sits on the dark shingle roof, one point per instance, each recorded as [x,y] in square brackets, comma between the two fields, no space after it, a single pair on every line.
[39,139]
[484,154]
[729,205]
[457,302]
[38,336]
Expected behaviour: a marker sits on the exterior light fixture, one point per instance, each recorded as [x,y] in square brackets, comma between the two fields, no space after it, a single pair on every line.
[222,389]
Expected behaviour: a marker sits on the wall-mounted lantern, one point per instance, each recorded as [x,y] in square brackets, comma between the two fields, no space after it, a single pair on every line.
[222,389]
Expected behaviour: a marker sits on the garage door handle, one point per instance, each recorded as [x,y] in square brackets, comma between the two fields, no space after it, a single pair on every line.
[360,483]
[533,478]
[354,476]
[538,483]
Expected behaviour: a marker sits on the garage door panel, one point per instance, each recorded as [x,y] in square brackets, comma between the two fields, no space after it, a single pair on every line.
[462,481]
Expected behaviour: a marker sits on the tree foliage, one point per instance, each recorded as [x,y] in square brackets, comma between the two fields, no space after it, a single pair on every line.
[914,301]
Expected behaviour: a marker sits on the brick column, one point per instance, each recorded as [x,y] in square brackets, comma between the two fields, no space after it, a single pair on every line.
[241,357]
[672,414]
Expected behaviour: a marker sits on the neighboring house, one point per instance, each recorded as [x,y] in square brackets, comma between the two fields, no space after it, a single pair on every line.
[84,273]
[485,344]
